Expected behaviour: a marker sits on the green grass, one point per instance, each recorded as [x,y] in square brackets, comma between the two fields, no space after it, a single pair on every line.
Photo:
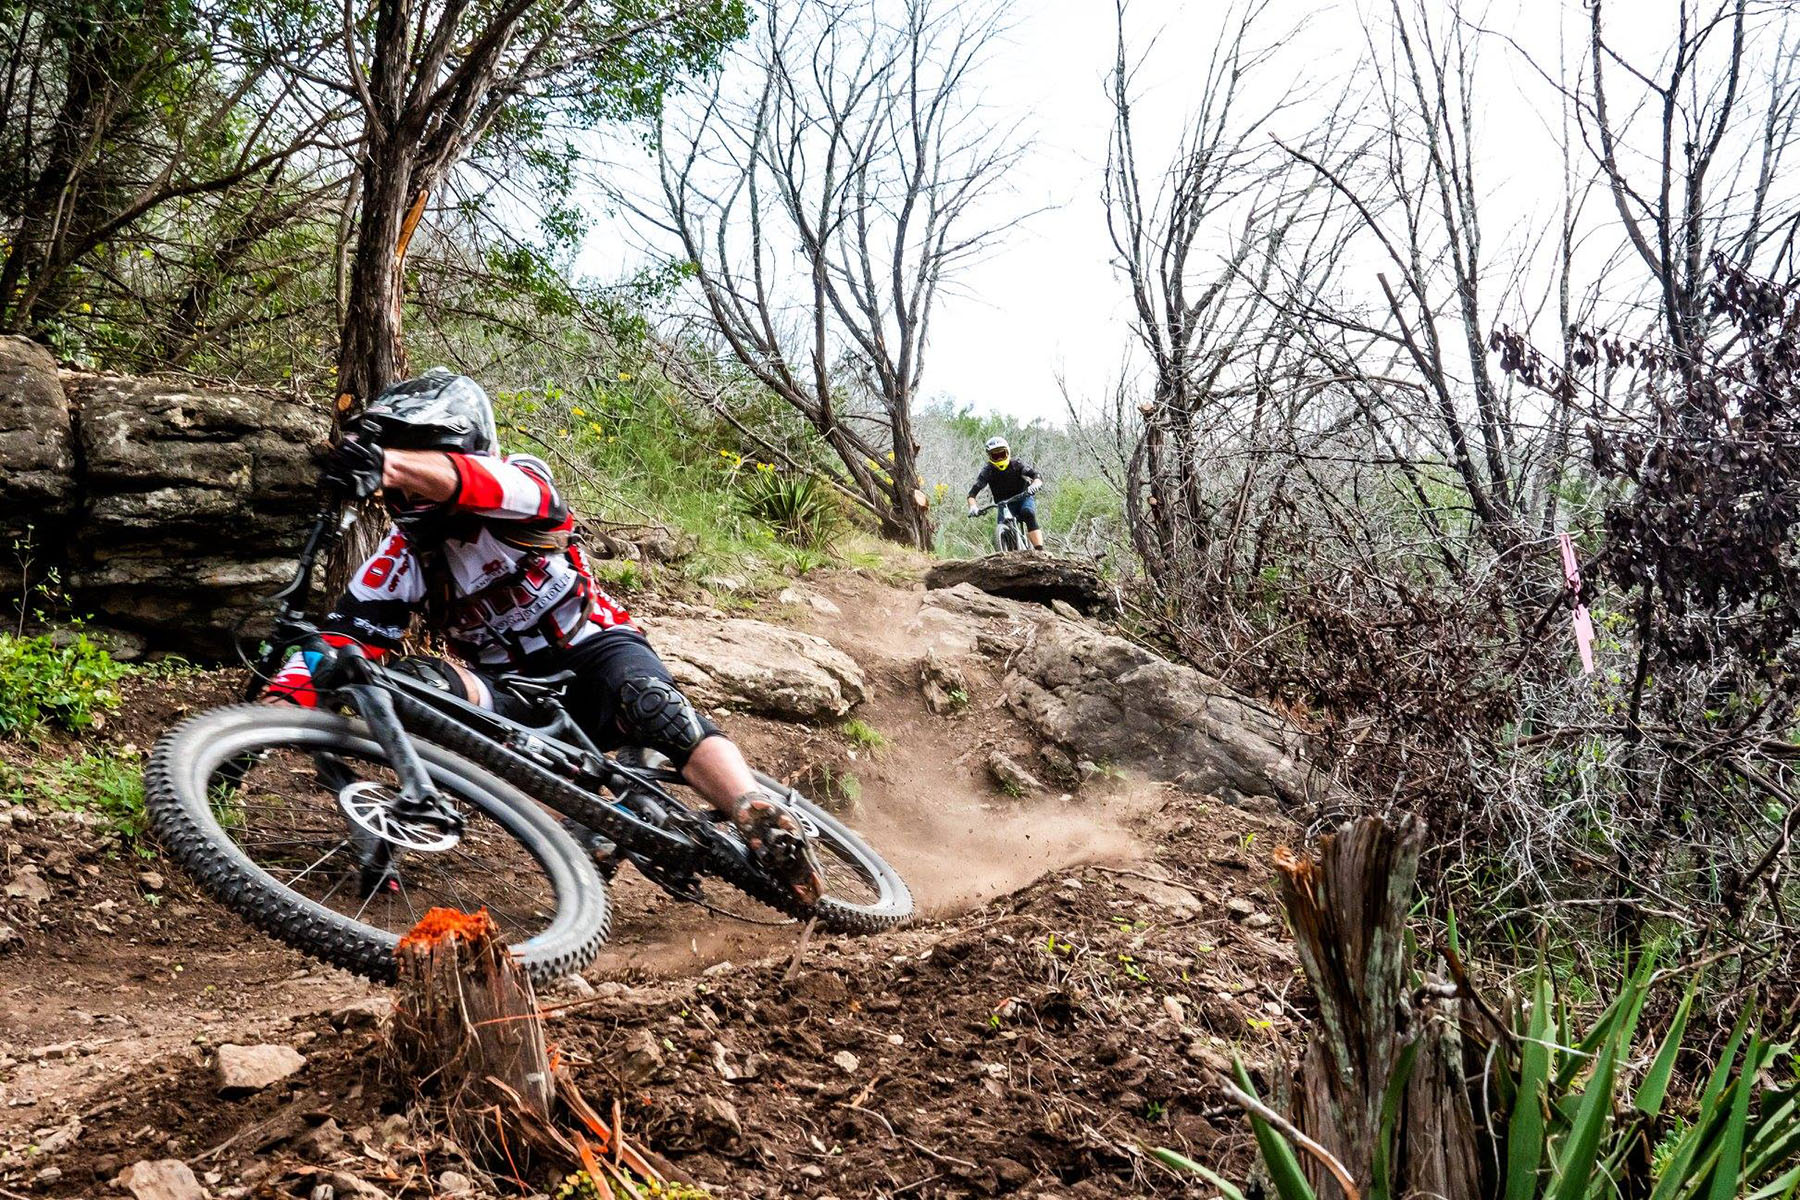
[626,456]
[107,784]
[862,735]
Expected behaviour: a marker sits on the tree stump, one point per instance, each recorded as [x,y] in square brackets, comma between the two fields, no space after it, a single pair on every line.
[1348,907]
[468,1039]
[467,1033]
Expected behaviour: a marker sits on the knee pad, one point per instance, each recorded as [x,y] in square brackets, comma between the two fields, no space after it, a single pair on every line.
[654,712]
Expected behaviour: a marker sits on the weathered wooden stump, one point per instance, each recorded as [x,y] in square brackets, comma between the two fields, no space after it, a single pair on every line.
[1378,1019]
[468,1039]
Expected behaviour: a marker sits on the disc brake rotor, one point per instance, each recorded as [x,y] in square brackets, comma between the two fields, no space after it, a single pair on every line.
[370,807]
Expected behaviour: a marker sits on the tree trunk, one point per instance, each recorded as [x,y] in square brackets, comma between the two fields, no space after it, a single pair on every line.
[371,354]
[1348,908]
[468,1040]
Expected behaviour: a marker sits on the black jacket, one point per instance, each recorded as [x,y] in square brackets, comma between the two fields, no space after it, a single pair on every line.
[1006,485]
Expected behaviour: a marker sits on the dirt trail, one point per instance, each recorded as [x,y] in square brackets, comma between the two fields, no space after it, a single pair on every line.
[110,1008]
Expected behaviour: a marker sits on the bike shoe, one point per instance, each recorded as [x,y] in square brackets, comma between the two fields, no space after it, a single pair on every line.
[778,845]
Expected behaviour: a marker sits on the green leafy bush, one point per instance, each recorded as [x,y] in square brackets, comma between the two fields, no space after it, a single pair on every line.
[41,681]
[108,784]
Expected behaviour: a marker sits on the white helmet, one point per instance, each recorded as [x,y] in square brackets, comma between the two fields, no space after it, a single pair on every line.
[998,450]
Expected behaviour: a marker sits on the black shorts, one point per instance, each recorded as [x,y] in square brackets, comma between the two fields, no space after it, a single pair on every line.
[603,665]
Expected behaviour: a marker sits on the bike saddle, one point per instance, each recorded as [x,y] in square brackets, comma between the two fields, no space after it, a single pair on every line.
[536,687]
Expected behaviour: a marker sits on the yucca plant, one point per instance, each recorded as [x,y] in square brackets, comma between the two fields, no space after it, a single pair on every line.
[1572,1126]
[1532,1103]
[800,509]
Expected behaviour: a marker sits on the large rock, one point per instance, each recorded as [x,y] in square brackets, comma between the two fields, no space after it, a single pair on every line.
[168,510]
[37,453]
[1037,577]
[1100,698]
[757,667]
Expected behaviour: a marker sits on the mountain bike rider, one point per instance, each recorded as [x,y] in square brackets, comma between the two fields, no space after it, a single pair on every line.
[1012,482]
[483,545]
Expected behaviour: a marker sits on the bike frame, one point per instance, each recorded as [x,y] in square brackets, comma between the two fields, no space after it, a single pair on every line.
[558,745]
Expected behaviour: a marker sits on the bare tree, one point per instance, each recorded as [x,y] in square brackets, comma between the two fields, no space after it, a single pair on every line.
[432,78]
[824,212]
[1692,185]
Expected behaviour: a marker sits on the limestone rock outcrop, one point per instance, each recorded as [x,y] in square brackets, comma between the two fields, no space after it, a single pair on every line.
[1100,698]
[166,510]
[752,666]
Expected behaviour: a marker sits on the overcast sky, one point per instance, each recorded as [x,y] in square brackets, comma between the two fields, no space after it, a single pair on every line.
[1046,300]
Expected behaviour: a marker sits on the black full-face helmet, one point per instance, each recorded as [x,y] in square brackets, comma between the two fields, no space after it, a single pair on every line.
[438,410]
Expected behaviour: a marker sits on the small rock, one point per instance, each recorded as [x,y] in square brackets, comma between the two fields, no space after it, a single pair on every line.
[846,1062]
[576,985]
[454,1183]
[722,583]
[611,989]
[28,886]
[641,1057]
[1063,608]
[1086,769]
[812,1171]
[49,1141]
[1010,775]
[253,1068]
[1260,920]
[945,687]
[364,1013]
[1240,908]
[724,967]
[10,938]
[47,1176]
[720,1120]
[322,1191]
[151,881]
[1209,1058]
[1172,1006]
[1012,1173]
[321,1142]
[163,1179]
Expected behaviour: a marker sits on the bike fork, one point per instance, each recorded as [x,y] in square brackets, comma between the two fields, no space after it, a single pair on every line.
[419,798]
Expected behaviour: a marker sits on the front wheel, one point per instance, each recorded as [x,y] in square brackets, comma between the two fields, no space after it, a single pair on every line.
[253,800]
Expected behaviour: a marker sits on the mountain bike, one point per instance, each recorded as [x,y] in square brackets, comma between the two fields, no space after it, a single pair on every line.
[335,828]
[1009,531]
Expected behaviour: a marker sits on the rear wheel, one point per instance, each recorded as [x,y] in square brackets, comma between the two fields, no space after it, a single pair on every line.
[256,802]
[863,894]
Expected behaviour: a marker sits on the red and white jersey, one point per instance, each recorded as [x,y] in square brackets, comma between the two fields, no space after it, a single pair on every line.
[499,598]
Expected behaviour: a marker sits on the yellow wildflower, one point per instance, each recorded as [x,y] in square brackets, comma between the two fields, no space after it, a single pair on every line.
[624,376]
[577,412]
